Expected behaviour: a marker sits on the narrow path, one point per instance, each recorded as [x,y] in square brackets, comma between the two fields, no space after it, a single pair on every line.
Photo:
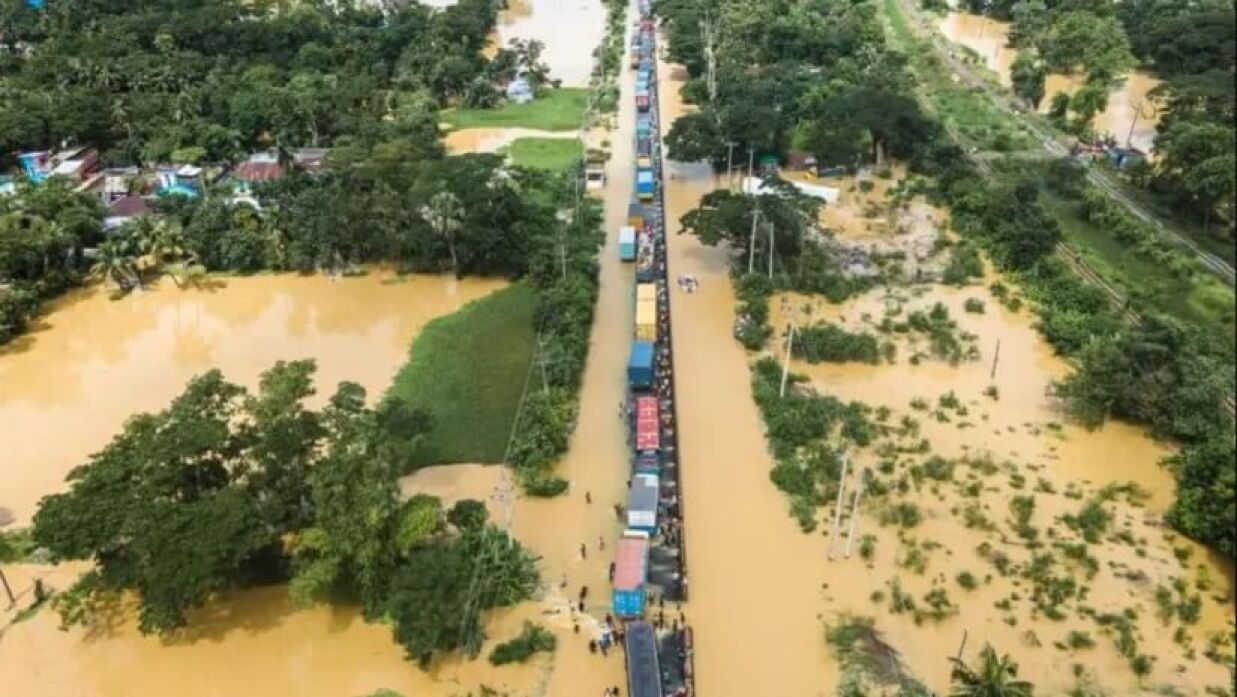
[754,600]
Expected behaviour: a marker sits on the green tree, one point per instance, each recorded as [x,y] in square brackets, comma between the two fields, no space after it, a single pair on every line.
[1081,39]
[468,514]
[444,214]
[1029,76]
[995,676]
[1206,505]
[1197,162]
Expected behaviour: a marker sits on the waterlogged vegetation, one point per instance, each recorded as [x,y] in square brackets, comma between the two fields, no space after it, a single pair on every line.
[1060,563]
[468,370]
[228,488]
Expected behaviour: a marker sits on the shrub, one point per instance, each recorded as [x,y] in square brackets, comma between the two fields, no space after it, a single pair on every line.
[533,639]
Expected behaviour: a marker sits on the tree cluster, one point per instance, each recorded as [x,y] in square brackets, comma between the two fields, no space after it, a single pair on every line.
[1193,46]
[775,76]
[43,233]
[227,488]
[143,81]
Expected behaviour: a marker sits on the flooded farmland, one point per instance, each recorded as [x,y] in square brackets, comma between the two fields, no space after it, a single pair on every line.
[763,592]
[1130,113]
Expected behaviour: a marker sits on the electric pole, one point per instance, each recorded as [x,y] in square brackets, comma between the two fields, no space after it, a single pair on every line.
[730,164]
[751,252]
[769,224]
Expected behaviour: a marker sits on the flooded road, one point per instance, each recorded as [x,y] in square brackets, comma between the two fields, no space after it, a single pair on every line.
[68,386]
[1130,113]
[755,592]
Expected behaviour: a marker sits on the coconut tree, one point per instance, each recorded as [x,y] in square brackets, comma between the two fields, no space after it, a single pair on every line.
[114,261]
[445,215]
[994,677]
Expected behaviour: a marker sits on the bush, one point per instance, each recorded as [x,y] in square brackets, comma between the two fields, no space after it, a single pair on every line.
[830,343]
[974,306]
[533,639]
[964,264]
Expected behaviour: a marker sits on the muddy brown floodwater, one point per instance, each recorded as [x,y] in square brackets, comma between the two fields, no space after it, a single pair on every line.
[570,30]
[495,139]
[763,592]
[67,386]
[755,581]
[1025,427]
[1128,105]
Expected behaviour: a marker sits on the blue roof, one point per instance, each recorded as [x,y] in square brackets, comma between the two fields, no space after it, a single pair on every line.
[641,353]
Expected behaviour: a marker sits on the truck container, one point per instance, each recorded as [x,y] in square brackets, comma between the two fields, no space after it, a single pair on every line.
[642,503]
[642,100]
[647,426]
[630,571]
[644,126]
[646,320]
[627,243]
[640,370]
[644,151]
[644,186]
[646,291]
[635,215]
[643,670]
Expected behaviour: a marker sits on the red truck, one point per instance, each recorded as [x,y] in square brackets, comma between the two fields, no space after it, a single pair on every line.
[648,430]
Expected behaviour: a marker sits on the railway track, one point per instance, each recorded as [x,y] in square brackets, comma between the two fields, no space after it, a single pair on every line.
[1212,263]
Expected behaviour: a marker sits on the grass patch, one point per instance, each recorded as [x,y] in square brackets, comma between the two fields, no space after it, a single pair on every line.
[545,153]
[558,110]
[468,370]
[1201,299]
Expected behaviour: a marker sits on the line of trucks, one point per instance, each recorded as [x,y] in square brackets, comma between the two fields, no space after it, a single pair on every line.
[649,396]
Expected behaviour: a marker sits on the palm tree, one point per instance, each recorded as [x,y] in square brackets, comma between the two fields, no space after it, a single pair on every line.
[996,677]
[445,216]
[115,261]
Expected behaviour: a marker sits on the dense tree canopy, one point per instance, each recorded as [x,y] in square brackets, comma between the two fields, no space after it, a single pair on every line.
[228,76]
[790,75]
[226,488]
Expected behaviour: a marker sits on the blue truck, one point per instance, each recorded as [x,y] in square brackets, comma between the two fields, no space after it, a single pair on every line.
[645,187]
[630,574]
[640,371]
[627,243]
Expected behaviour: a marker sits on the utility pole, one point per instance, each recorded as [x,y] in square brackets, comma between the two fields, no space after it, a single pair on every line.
[730,164]
[545,380]
[790,343]
[751,165]
[751,253]
[995,357]
[7,589]
[837,510]
[854,512]
[769,224]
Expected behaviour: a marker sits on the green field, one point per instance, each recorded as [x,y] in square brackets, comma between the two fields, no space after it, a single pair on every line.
[545,153]
[468,369]
[558,110]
